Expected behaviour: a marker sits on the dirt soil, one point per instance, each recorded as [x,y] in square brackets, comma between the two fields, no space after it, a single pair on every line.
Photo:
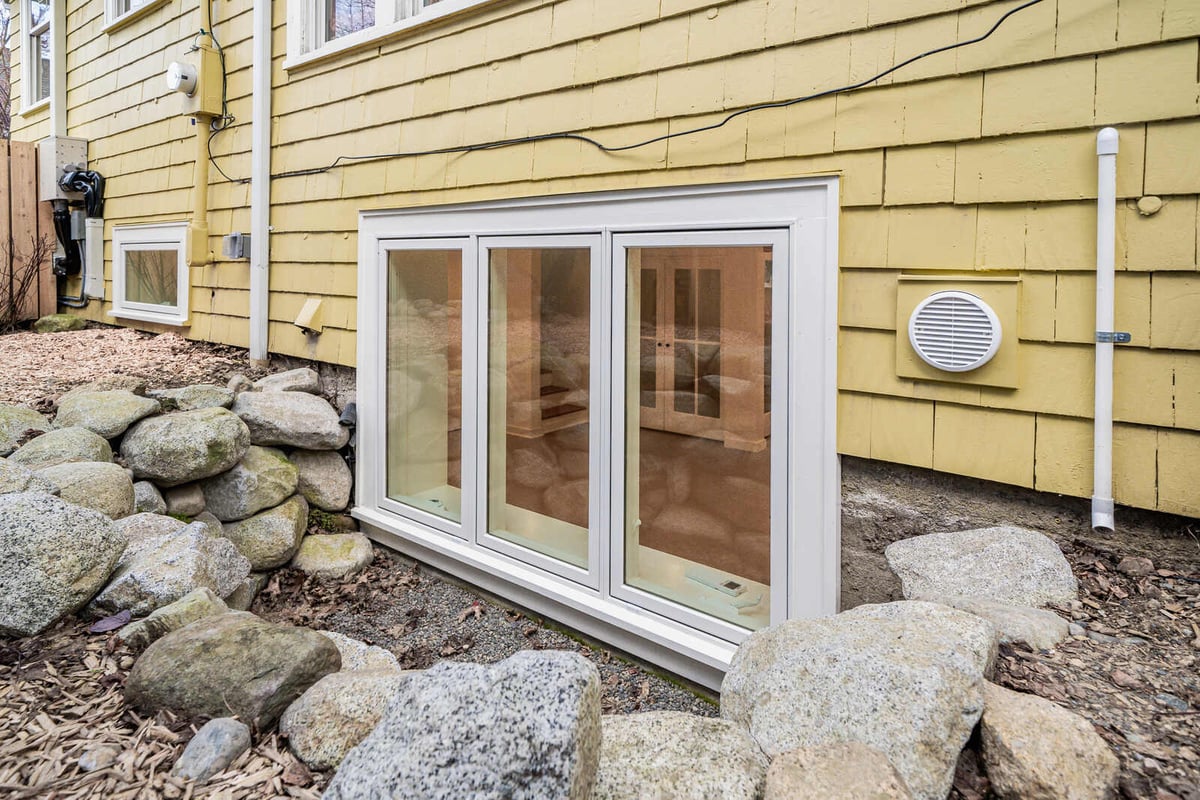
[1131,670]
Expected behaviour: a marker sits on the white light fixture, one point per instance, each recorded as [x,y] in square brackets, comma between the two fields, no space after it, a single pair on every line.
[181,78]
[954,331]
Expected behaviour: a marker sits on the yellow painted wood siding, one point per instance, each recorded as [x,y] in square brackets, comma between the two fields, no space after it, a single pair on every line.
[974,160]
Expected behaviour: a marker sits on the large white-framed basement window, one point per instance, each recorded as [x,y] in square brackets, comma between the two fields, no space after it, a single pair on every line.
[616,409]
[150,273]
[318,28]
[38,57]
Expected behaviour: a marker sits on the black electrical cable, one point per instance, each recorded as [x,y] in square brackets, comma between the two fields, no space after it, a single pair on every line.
[579,137]
[226,119]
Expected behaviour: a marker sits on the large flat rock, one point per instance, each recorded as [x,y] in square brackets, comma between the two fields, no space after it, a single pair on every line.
[904,678]
[527,727]
[108,413]
[270,539]
[262,479]
[104,487]
[15,421]
[230,663]
[61,446]
[292,419]
[1004,564]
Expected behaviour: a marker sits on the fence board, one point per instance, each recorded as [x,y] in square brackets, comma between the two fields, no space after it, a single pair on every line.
[22,161]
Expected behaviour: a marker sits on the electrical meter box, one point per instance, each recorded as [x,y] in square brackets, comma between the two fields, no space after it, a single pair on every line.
[56,154]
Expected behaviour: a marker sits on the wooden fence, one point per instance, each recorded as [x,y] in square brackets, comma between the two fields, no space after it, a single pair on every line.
[23,223]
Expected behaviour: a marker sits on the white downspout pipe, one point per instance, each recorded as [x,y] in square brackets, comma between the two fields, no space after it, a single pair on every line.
[58,68]
[1106,224]
[260,181]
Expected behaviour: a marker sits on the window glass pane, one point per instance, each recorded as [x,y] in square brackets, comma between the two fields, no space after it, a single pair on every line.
[698,465]
[347,16]
[37,13]
[41,76]
[424,380]
[539,399]
[152,277]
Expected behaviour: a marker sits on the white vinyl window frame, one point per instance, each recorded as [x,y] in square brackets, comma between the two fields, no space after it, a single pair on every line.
[156,236]
[35,90]
[306,25]
[118,13]
[798,218]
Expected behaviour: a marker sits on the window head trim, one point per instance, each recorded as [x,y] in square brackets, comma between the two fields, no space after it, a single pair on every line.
[154,236]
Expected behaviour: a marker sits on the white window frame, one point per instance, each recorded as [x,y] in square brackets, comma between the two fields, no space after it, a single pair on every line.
[306,26]
[30,56]
[805,561]
[116,17]
[154,236]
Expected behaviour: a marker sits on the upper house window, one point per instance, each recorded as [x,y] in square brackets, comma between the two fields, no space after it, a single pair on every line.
[36,23]
[119,11]
[321,26]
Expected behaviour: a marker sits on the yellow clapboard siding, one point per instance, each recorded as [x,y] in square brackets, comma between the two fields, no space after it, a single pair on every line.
[1063,455]
[996,445]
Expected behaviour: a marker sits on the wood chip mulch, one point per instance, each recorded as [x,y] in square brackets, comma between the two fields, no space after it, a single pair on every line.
[62,695]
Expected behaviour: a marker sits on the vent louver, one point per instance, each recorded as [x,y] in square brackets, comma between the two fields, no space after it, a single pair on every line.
[954,331]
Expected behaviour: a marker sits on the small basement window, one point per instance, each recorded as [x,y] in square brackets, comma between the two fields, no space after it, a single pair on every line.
[150,277]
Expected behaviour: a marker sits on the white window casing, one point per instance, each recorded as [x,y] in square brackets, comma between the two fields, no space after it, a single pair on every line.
[308,25]
[150,273]
[796,217]
[38,56]
[118,13]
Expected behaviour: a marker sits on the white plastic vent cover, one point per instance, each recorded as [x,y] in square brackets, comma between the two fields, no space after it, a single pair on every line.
[954,331]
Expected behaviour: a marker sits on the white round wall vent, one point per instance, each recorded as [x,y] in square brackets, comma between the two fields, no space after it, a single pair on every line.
[954,331]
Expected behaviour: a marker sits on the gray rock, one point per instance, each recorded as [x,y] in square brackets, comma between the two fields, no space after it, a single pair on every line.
[264,478]
[843,771]
[16,477]
[1041,630]
[185,446]
[212,749]
[62,446]
[1136,566]
[59,323]
[670,754]
[1005,564]
[324,478]
[526,727]
[101,486]
[357,656]
[147,499]
[191,398]
[294,419]
[904,678]
[14,422]
[139,528]
[186,500]
[1076,630]
[108,383]
[337,712]
[270,539]
[98,757]
[215,528]
[158,571]
[192,606]
[107,414]
[334,555]
[239,383]
[1036,750]
[231,663]
[243,596]
[294,380]
[54,555]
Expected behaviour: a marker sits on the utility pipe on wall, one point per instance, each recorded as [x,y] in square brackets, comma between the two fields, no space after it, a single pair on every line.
[197,245]
[260,181]
[1106,224]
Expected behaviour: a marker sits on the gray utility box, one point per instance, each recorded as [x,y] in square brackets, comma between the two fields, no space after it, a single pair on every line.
[55,155]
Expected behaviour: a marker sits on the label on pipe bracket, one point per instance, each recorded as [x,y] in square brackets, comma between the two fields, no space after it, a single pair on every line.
[1113,337]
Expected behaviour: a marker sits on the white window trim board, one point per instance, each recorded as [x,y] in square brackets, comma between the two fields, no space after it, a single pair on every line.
[166,236]
[114,20]
[807,209]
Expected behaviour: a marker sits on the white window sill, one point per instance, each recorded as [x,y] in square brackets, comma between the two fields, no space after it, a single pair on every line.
[146,316]
[132,16]
[36,107]
[372,36]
